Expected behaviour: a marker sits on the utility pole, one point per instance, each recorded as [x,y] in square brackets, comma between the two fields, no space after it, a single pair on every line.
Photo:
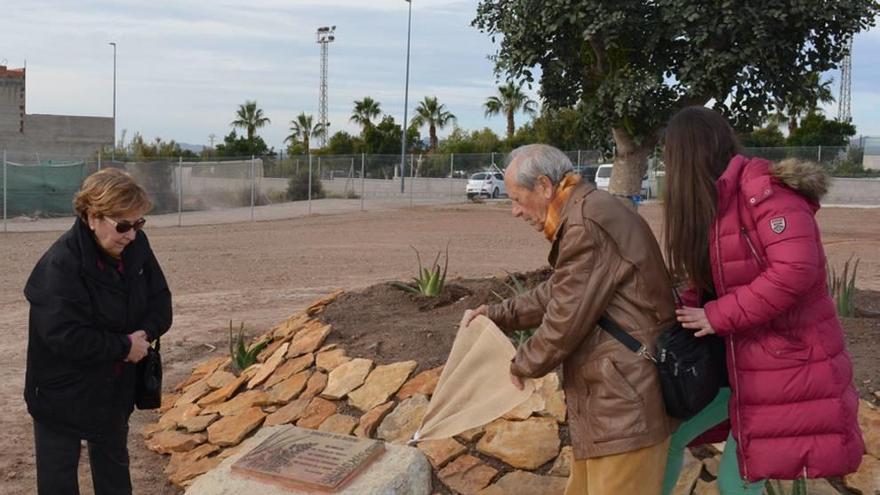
[324,37]
[403,124]
[113,149]
[844,109]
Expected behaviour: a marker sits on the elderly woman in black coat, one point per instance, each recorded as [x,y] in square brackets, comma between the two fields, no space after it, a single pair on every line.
[97,299]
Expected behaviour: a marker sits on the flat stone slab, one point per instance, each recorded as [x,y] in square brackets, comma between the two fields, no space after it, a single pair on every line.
[399,470]
[331,359]
[288,369]
[504,440]
[346,377]
[380,385]
[309,339]
[400,425]
[424,383]
[525,483]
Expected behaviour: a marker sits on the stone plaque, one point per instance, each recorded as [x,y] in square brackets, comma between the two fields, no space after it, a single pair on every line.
[302,458]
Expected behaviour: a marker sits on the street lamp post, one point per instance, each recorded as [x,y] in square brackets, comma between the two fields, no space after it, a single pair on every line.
[113,148]
[405,103]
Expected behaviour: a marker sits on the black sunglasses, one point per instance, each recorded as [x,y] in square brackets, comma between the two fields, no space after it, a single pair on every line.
[124,226]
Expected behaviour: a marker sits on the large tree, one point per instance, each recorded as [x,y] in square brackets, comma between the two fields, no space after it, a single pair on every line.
[303,129]
[250,118]
[509,100]
[462,141]
[816,130]
[384,137]
[364,112]
[433,114]
[634,63]
[234,145]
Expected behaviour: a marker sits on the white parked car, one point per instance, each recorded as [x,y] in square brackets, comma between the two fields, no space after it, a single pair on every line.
[603,179]
[603,176]
[488,184]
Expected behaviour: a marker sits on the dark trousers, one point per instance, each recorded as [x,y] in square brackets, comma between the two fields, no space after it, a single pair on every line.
[58,459]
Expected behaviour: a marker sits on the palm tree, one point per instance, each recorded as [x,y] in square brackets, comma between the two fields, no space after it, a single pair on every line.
[364,112]
[793,109]
[510,99]
[433,114]
[250,118]
[303,128]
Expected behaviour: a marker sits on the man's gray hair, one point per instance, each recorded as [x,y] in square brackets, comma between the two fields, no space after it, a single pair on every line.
[536,160]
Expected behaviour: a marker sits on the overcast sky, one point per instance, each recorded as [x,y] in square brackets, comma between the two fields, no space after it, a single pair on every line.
[183,66]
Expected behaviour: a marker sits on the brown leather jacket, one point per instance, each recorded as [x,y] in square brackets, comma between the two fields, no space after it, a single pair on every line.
[605,260]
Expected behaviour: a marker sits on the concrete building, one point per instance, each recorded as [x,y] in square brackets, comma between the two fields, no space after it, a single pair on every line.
[29,137]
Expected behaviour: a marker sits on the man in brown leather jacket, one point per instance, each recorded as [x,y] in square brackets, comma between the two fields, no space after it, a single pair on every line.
[607,262]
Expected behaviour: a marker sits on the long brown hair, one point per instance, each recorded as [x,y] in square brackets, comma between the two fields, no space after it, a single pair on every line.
[699,144]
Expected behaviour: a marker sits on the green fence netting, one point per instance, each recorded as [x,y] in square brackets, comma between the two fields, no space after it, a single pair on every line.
[45,189]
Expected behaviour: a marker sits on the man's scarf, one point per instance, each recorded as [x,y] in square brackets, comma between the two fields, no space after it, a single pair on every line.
[554,210]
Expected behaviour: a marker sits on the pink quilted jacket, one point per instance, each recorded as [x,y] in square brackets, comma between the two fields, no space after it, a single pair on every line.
[793,410]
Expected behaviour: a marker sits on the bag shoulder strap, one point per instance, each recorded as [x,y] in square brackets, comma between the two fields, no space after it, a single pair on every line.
[625,338]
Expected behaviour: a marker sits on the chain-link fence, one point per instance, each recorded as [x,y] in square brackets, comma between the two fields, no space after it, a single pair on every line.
[828,156]
[189,191]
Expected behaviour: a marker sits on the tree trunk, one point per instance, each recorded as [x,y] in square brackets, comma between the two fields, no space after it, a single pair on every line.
[510,126]
[432,130]
[630,163]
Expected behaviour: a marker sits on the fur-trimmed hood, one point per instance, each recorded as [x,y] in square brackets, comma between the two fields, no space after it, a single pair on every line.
[806,177]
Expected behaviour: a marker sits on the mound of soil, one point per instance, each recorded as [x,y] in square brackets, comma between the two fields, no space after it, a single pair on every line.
[388,324]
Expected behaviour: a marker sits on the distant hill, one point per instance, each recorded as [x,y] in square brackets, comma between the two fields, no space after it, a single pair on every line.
[195,148]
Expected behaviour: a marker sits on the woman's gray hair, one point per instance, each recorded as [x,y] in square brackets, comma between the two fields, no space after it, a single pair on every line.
[536,160]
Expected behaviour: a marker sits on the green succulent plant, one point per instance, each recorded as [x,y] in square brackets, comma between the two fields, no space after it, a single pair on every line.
[796,487]
[843,287]
[429,282]
[241,355]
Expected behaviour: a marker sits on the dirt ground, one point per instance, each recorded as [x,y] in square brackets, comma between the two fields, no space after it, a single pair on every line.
[261,272]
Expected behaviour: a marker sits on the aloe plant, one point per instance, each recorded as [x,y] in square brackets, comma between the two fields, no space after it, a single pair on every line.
[242,356]
[843,287]
[775,487]
[516,287]
[429,282]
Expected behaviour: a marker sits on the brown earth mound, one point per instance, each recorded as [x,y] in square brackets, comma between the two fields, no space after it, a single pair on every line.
[388,324]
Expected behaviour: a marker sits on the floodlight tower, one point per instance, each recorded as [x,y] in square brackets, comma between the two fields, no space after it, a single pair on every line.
[324,37]
[844,100]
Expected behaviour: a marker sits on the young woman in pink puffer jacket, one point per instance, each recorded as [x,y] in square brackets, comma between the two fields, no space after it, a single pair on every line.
[745,229]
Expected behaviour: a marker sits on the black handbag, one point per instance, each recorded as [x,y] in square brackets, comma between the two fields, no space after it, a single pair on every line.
[689,375]
[148,387]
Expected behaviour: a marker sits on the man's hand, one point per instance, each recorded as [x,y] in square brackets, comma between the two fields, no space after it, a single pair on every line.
[695,319]
[516,381]
[139,345]
[470,314]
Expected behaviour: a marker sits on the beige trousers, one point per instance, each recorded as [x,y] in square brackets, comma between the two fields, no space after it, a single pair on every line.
[639,472]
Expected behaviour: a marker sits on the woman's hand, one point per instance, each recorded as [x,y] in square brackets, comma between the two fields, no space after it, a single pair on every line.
[139,346]
[695,319]
[471,314]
